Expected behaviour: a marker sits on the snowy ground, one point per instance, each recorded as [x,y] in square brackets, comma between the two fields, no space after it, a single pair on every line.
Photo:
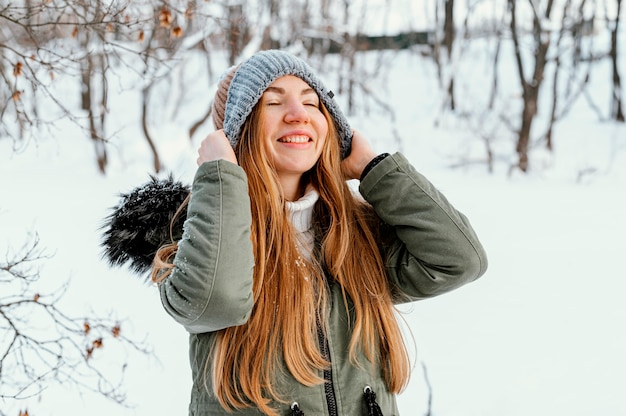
[542,333]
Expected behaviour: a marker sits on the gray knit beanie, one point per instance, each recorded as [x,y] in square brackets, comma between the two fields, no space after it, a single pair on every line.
[241,87]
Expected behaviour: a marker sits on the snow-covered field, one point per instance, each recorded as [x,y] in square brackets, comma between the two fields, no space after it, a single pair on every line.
[542,333]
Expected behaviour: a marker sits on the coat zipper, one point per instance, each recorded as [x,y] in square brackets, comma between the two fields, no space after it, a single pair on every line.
[329,390]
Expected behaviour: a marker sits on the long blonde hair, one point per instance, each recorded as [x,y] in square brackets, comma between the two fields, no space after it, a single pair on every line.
[246,359]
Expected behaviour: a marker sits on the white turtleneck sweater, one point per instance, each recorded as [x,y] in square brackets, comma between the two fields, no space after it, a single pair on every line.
[302,218]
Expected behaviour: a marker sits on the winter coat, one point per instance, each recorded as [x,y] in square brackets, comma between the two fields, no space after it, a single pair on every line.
[433,249]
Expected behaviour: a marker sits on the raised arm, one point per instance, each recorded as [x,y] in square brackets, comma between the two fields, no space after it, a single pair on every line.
[210,287]
[433,248]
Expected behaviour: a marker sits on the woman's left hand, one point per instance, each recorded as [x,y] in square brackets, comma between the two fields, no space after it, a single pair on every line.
[360,155]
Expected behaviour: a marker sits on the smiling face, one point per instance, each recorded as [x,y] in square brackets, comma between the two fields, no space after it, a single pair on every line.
[294,128]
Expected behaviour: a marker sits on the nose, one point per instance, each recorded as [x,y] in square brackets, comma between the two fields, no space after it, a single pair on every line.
[296,113]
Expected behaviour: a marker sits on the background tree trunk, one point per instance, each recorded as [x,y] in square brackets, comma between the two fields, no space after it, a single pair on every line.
[530,89]
[449,35]
[617,112]
[238,34]
[145,95]
[449,29]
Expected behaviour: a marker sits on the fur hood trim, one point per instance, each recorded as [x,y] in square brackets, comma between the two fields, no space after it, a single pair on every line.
[141,223]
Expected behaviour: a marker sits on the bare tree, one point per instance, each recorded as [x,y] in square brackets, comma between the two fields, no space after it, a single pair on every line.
[93,78]
[86,42]
[449,28]
[41,345]
[44,40]
[530,87]
[449,35]
[617,111]
[575,26]
[429,409]
[237,33]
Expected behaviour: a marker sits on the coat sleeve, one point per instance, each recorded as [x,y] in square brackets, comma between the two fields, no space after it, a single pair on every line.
[432,248]
[210,287]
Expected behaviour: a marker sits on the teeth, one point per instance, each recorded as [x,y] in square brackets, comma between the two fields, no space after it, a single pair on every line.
[294,139]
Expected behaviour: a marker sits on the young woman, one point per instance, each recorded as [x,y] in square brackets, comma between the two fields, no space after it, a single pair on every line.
[286,279]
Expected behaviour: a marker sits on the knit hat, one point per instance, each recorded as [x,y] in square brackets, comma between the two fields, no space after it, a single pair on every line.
[242,86]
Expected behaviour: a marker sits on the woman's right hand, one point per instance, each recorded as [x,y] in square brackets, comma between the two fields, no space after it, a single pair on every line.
[216,146]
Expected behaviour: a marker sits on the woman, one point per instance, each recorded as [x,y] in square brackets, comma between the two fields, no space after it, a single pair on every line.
[284,278]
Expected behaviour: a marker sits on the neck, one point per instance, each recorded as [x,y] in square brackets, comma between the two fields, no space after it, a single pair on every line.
[293,187]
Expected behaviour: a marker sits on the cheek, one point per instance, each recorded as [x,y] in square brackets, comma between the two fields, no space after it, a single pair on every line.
[323,134]
[321,125]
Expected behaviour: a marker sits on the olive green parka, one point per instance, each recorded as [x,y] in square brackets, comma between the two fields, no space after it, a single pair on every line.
[433,250]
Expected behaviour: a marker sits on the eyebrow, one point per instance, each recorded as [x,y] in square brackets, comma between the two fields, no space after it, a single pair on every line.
[279,90]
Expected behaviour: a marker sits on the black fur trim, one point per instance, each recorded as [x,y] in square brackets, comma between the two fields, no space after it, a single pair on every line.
[140,223]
